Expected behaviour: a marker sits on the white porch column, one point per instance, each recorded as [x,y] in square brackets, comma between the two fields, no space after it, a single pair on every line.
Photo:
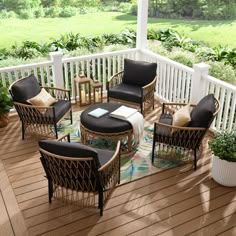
[57,71]
[142,20]
[198,89]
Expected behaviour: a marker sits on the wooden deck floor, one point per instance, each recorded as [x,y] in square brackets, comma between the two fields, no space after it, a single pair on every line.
[179,201]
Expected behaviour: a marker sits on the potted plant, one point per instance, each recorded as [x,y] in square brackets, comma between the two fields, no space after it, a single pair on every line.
[5,106]
[223,147]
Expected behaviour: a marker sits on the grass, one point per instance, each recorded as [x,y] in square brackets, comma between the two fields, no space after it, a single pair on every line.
[42,30]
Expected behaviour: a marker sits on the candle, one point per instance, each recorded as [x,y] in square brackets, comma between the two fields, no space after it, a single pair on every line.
[97,96]
[83,97]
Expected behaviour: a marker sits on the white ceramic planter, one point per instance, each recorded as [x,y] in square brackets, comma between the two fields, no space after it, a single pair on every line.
[224,172]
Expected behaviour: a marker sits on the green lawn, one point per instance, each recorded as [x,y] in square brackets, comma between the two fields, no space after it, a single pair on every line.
[41,30]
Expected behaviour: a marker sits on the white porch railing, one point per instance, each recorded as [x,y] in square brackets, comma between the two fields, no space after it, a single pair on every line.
[176,82]
[42,71]
[99,66]
[174,79]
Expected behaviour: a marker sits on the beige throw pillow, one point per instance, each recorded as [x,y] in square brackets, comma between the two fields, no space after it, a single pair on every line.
[42,99]
[182,116]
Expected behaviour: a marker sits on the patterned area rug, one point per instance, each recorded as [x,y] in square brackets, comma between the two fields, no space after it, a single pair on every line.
[132,167]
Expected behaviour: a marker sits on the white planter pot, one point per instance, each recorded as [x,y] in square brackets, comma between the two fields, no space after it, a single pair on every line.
[224,172]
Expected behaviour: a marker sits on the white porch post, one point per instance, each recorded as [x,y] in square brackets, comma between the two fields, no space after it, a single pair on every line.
[142,20]
[198,89]
[57,71]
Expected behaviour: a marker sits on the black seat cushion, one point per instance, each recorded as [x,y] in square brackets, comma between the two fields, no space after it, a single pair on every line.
[25,89]
[202,114]
[126,92]
[104,156]
[61,107]
[165,119]
[100,156]
[138,73]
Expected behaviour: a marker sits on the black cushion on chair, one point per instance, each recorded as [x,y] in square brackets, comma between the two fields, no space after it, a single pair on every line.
[61,107]
[104,156]
[69,149]
[126,92]
[167,120]
[202,114]
[138,73]
[100,156]
[25,89]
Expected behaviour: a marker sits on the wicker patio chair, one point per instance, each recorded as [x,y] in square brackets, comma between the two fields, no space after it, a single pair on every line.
[40,120]
[135,85]
[78,174]
[177,142]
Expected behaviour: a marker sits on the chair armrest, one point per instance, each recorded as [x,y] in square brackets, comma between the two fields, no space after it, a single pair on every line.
[64,138]
[178,128]
[149,88]
[111,162]
[115,80]
[32,114]
[58,93]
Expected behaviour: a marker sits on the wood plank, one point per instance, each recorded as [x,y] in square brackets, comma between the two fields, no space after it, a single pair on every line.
[153,227]
[213,223]
[27,174]
[230,232]
[5,224]
[122,207]
[154,219]
[12,207]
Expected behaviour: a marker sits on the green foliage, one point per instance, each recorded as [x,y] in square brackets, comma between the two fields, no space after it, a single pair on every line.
[39,12]
[68,11]
[183,57]
[223,145]
[26,14]
[52,12]
[4,14]
[5,101]
[27,50]
[153,34]
[125,7]
[222,71]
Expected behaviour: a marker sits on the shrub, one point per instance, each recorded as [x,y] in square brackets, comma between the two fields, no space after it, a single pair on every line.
[52,12]
[13,61]
[26,14]
[39,12]
[4,14]
[183,57]
[134,10]
[223,72]
[68,12]
[153,34]
[223,145]
[125,7]
[157,47]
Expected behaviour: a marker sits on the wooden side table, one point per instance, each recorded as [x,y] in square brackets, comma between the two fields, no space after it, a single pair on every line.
[84,90]
[96,88]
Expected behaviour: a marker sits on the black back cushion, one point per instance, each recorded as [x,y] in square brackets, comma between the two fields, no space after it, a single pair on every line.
[69,149]
[25,89]
[202,114]
[138,73]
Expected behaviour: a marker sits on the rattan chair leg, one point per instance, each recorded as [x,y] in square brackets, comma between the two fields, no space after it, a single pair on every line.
[23,130]
[100,202]
[71,117]
[50,191]
[154,143]
[195,159]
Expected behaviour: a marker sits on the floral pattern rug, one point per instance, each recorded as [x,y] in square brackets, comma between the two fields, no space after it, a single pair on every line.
[132,167]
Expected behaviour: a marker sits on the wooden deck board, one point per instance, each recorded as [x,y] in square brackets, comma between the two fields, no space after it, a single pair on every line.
[178,201]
